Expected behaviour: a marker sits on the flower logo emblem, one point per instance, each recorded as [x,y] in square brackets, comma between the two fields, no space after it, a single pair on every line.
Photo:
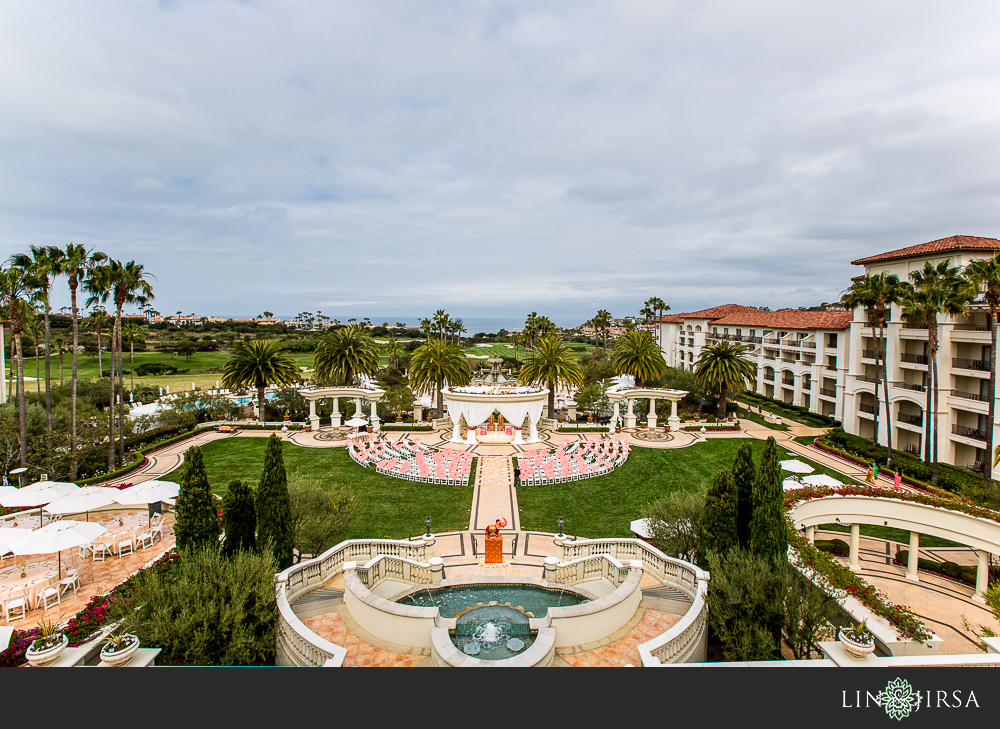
[899,699]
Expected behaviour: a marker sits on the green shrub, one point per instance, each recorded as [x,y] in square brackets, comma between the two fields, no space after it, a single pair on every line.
[208,610]
[155,368]
[834,546]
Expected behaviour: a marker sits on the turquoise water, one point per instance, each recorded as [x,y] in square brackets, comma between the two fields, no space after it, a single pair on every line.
[248,398]
[536,600]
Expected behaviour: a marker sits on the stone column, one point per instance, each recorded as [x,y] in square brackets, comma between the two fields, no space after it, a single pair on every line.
[418,413]
[674,419]
[335,417]
[982,576]
[912,563]
[437,568]
[630,416]
[616,418]
[313,418]
[376,423]
[811,534]
[550,569]
[651,419]
[853,563]
[357,407]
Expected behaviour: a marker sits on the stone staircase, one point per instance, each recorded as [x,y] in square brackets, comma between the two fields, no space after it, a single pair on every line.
[320,601]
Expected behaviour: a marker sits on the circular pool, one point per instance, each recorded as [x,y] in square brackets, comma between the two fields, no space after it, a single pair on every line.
[533,599]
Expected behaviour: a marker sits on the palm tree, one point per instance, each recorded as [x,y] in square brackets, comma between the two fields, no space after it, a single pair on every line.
[99,285]
[460,330]
[345,353]
[43,263]
[60,343]
[259,363]
[426,325]
[550,364]
[936,290]
[18,289]
[131,331]
[437,364]
[530,329]
[637,354]
[97,321]
[984,274]
[440,321]
[394,350]
[36,329]
[724,367]
[517,340]
[601,321]
[875,293]
[76,264]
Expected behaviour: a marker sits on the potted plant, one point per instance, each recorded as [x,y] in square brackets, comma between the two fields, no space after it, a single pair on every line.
[858,641]
[48,646]
[119,648]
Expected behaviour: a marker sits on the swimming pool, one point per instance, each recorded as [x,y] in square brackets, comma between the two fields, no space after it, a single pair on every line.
[243,400]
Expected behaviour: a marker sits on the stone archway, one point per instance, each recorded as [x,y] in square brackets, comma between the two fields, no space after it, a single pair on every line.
[373,395]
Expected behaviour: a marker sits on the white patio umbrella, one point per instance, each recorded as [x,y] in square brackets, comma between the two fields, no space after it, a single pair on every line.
[791,483]
[57,536]
[356,421]
[85,499]
[63,487]
[821,479]
[29,498]
[796,466]
[148,492]
[10,537]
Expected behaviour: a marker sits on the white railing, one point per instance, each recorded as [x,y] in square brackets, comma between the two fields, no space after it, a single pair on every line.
[297,644]
[596,567]
[384,567]
[687,638]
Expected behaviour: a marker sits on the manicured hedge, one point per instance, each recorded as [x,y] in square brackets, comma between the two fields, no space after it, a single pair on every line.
[797,412]
[952,570]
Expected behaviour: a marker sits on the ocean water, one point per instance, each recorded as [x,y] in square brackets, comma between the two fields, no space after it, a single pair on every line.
[489,325]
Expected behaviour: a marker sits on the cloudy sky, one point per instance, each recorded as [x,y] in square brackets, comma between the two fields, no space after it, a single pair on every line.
[495,158]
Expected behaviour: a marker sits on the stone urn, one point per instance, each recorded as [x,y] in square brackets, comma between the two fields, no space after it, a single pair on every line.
[45,656]
[121,656]
[590,418]
[399,418]
[856,649]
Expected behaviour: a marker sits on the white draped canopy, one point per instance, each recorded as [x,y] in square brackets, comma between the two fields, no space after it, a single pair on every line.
[477,413]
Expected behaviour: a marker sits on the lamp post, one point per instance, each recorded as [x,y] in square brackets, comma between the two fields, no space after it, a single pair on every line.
[427,523]
[560,521]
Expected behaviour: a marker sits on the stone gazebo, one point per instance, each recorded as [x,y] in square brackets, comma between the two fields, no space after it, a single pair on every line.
[630,394]
[476,404]
[335,393]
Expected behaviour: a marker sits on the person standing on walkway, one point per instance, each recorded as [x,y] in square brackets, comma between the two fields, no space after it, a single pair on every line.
[517,478]
[870,475]
[898,480]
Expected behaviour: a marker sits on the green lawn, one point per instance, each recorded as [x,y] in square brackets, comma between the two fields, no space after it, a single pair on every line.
[390,507]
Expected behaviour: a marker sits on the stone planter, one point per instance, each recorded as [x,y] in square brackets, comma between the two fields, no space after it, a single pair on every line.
[122,657]
[48,655]
[399,418]
[857,651]
[307,428]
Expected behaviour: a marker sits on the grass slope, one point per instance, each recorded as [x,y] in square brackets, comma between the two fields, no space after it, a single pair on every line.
[390,507]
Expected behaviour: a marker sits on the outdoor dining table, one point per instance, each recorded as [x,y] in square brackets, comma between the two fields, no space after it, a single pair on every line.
[134,524]
[36,578]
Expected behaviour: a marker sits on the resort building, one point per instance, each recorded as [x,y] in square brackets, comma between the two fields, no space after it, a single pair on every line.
[825,361]
[801,356]
[963,361]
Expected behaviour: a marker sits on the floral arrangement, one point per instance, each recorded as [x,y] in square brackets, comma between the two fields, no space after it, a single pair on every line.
[117,642]
[860,634]
[49,635]
[961,505]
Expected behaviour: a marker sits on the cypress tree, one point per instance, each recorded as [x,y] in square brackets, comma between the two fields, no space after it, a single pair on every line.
[744,476]
[197,523]
[274,506]
[239,517]
[718,520]
[768,526]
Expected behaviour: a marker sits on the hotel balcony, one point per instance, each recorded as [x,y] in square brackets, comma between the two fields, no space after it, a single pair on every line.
[827,392]
[979,366]
[976,333]
[967,432]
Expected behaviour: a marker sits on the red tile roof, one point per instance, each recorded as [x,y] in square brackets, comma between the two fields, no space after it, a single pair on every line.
[954,243]
[716,312]
[789,319]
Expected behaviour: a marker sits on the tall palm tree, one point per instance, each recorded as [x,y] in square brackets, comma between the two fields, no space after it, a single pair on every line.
[259,363]
[394,350]
[517,340]
[530,329]
[60,343]
[76,265]
[43,263]
[601,321]
[18,289]
[129,287]
[37,330]
[98,321]
[130,331]
[344,354]
[937,290]
[723,366]
[637,354]
[440,321]
[99,285]
[426,326]
[551,364]
[984,274]
[875,293]
[437,364]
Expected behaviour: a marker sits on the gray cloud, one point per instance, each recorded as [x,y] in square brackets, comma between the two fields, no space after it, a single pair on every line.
[496,157]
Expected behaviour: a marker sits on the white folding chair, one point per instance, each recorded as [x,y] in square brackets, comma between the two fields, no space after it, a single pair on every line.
[49,593]
[100,548]
[72,579]
[14,604]
[123,543]
[155,531]
[84,548]
[146,536]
